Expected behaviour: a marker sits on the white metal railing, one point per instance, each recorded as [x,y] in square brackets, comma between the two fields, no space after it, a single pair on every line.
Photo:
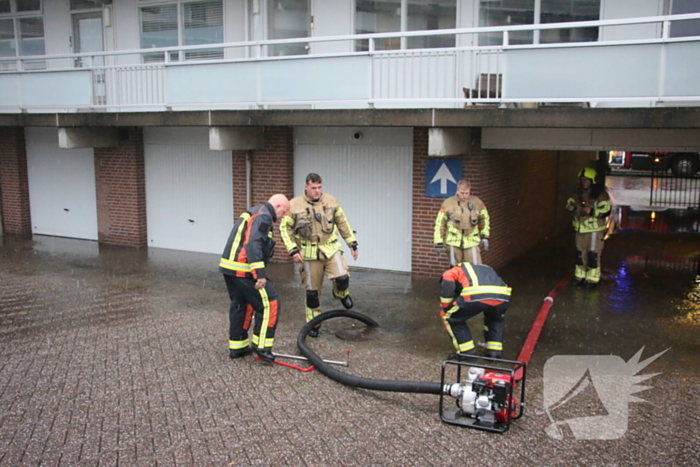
[247,77]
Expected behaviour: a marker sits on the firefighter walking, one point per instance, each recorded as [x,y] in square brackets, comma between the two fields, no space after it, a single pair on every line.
[467,290]
[462,226]
[310,234]
[591,207]
[248,248]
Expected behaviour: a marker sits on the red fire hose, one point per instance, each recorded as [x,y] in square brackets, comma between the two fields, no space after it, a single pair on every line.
[534,334]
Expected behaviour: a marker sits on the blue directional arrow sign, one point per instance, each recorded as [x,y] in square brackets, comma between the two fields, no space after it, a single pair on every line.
[441,177]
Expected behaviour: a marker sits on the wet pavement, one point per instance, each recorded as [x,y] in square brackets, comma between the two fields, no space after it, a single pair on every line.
[115,356]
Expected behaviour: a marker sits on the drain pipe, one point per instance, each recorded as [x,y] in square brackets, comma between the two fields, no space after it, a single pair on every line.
[358,381]
[248,184]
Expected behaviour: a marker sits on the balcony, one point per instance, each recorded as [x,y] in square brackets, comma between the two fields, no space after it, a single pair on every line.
[652,70]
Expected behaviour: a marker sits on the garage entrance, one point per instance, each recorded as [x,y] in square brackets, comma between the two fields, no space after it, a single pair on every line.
[189,190]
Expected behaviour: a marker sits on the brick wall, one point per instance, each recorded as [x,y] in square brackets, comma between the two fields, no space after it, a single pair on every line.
[14,182]
[522,191]
[272,171]
[121,191]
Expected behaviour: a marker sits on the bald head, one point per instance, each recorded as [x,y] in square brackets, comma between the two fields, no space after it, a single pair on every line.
[280,204]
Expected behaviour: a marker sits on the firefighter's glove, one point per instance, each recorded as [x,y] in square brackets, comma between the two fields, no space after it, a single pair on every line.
[484,244]
[439,248]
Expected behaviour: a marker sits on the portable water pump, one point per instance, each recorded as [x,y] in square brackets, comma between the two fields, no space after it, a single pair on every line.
[484,396]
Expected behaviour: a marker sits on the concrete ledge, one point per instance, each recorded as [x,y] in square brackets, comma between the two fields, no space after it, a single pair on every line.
[554,117]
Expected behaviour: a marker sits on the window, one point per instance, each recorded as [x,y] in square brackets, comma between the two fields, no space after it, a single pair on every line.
[428,15]
[689,27]
[564,11]
[287,19]
[514,12]
[21,32]
[373,16]
[378,16]
[506,13]
[183,23]
[85,4]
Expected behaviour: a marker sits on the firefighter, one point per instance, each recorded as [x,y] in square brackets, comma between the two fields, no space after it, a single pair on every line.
[590,206]
[310,234]
[248,248]
[463,226]
[465,291]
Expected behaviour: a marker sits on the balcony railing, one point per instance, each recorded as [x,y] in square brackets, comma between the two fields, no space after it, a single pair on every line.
[650,69]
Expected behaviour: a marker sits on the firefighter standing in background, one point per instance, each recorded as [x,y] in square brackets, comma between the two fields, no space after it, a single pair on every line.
[462,224]
[310,234]
[591,206]
[467,290]
[247,250]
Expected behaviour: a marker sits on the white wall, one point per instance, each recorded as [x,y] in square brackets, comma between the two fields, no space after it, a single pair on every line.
[618,9]
[57,31]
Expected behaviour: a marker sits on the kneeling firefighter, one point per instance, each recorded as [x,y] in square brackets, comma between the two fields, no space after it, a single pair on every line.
[310,234]
[467,290]
[591,206]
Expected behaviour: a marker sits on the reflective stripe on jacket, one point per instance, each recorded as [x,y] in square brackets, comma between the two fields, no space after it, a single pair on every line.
[250,244]
[461,224]
[468,282]
[313,226]
[601,207]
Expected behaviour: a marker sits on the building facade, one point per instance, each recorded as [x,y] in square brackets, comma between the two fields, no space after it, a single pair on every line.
[154,123]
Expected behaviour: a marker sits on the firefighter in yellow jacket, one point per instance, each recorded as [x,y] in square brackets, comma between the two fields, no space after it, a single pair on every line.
[591,206]
[462,226]
[310,234]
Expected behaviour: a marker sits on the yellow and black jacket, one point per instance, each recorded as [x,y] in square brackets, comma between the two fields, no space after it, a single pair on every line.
[250,244]
[598,200]
[311,227]
[461,224]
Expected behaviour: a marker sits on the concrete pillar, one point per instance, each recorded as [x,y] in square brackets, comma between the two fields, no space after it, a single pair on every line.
[235,138]
[449,141]
[69,138]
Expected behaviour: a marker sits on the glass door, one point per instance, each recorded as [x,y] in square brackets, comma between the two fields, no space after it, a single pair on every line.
[88,37]
[288,19]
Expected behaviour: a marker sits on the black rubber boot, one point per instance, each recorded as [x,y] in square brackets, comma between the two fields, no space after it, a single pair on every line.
[265,355]
[239,353]
[347,302]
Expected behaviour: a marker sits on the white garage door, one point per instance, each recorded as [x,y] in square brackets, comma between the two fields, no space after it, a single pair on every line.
[62,195]
[189,190]
[369,171]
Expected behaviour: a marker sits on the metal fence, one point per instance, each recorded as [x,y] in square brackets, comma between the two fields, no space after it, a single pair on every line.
[672,191]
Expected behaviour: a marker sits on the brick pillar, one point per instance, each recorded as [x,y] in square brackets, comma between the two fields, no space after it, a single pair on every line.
[424,260]
[120,180]
[14,182]
[272,171]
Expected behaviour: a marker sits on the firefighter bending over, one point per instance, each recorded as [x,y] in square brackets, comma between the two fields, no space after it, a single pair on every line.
[465,291]
[247,251]
[310,234]
[591,206]
[462,225]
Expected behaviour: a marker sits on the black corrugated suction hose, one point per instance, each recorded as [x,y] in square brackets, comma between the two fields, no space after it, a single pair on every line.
[351,380]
